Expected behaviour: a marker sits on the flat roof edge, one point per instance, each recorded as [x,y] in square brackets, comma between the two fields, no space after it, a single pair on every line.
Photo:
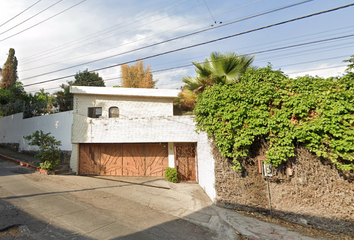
[134,92]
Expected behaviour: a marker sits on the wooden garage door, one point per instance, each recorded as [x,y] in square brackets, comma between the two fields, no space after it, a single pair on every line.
[123,159]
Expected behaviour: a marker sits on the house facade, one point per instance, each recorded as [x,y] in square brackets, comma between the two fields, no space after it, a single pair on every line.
[133,132]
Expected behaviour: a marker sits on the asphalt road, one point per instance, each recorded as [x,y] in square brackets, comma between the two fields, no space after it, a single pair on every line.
[31,207]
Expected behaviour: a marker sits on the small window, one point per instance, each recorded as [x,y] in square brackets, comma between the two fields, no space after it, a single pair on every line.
[113,112]
[94,112]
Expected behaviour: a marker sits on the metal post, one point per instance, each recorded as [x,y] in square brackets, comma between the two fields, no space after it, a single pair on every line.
[269,199]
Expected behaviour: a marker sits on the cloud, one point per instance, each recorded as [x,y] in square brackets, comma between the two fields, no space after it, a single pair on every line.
[323,70]
[171,79]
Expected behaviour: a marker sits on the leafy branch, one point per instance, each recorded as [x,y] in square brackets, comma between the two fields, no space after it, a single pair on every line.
[315,112]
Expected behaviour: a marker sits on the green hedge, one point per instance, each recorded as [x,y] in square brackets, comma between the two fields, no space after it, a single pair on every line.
[315,112]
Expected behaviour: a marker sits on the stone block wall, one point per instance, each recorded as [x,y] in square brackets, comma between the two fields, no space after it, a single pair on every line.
[12,146]
[311,192]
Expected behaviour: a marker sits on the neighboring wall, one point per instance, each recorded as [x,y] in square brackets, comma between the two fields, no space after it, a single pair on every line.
[13,128]
[315,194]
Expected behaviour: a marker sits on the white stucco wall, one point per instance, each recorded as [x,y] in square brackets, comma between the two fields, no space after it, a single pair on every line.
[134,130]
[206,175]
[129,107]
[74,158]
[147,119]
[13,128]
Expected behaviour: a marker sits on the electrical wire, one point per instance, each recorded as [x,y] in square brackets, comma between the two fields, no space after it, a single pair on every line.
[308,52]
[183,36]
[210,12]
[317,69]
[31,17]
[191,65]
[42,21]
[293,64]
[199,31]
[215,40]
[91,36]
[263,51]
[20,13]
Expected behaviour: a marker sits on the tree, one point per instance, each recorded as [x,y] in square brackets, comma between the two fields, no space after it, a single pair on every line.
[87,78]
[9,71]
[136,77]
[38,104]
[11,100]
[65,97]
[351,63]
[49,151]
[221,68]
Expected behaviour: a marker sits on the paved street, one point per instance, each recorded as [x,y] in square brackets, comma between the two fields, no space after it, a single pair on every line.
[36,206]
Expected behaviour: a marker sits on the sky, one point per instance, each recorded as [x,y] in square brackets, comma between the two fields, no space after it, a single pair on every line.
[55,39]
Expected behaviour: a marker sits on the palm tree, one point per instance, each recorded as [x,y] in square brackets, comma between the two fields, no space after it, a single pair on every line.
[221,68]
[64,97]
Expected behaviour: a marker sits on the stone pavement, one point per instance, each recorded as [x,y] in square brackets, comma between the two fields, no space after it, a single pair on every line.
[183,200]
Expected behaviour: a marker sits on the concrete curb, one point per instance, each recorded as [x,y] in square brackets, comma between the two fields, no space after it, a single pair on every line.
[24,164]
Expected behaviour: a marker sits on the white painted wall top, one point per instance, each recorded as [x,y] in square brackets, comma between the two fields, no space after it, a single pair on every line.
[133,92]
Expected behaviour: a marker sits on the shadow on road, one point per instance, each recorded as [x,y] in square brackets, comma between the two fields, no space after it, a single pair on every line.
[17,224]
[10,168]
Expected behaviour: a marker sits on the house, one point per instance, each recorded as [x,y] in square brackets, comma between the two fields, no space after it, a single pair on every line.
[132,132]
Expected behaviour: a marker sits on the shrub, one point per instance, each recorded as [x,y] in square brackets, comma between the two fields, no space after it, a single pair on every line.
[171,174]
[312,112]
[49,152]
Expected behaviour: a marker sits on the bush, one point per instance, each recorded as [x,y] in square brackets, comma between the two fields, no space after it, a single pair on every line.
[312,112]
[171,174]
[49,152]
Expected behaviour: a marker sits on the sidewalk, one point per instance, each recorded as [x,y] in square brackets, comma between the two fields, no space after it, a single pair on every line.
[183,200]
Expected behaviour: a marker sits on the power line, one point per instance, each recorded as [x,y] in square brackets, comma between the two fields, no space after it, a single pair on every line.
[302,36]
[43,21]
[191,65]
[308,52]
[179,37]
[309,70]
[31,17]
[207,29]
[19,13]
[263,51]
[304,44]
[293,64]
[312,70]
[93,35]
[292,55]
[212,41]
[209,11]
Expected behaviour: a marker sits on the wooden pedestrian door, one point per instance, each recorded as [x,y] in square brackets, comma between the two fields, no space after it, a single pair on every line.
[185,154]
[148,160]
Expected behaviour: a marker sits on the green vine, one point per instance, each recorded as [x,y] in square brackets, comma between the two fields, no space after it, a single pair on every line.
[315,112]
